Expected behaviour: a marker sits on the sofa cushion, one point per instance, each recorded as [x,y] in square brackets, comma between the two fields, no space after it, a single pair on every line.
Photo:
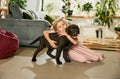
[40,14]
[27,16]
[50,18]
[15,11]
[36,14]
[32,13]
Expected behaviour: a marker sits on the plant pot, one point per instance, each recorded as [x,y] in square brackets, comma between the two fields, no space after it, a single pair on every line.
[70,12]
[99,32]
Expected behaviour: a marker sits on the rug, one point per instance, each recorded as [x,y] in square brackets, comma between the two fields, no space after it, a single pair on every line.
[108,44]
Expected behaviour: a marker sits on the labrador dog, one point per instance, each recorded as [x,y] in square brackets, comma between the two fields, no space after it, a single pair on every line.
[63,44]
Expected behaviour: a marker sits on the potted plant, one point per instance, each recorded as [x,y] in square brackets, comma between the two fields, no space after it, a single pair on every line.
[20,3]
[70,12]
[105,10]
[66,8]
[117,31]
[49,8]
[117,27]
[87,7]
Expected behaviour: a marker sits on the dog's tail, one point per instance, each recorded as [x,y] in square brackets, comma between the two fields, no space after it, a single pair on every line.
[37,39]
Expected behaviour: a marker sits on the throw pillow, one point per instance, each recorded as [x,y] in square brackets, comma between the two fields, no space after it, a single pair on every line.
[32,13]
[50,18]
[27,16]
[40,14]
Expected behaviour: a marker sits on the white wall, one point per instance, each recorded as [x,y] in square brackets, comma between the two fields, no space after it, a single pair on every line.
[36,5]
[33,4]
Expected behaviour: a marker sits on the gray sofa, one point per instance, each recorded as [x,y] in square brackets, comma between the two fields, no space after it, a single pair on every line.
[26,30]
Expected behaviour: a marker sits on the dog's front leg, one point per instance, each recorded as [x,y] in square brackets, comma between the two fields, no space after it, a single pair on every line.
[58,53]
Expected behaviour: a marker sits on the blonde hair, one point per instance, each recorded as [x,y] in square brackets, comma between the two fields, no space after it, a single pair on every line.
[57,21]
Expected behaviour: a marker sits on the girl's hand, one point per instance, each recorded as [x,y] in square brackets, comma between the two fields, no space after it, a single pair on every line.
[75,42]
[52,43]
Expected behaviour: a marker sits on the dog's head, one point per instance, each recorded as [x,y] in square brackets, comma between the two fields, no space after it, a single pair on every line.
[73,30]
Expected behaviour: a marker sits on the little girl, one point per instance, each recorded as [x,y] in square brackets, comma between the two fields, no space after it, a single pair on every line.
[77,52]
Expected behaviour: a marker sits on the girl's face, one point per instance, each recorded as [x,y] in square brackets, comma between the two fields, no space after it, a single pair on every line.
[61,26]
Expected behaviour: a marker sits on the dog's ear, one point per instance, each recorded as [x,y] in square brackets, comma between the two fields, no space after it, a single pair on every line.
[78,30]
[67,30]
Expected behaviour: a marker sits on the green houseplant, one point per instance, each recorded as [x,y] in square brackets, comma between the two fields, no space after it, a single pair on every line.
[20,3]
[66,7]
[87,7]
[105,10]
[49,8]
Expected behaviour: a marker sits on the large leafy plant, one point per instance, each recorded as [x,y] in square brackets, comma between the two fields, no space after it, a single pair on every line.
[105,10]
[20,3]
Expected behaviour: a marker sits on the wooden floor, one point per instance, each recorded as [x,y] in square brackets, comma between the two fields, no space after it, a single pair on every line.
[21,67]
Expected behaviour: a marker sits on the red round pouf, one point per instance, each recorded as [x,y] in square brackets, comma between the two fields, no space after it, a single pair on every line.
[9,44]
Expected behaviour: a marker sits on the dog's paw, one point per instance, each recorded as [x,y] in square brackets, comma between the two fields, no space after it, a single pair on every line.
[34,60]
[59,63]
[67,60]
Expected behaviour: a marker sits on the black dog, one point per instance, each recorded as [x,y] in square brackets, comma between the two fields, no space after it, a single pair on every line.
[62,44]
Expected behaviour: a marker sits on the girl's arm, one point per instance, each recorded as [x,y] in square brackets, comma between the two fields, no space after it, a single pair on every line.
[46,34]
[75,42]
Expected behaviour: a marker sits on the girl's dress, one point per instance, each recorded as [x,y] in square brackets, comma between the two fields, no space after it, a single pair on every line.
[81,53]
